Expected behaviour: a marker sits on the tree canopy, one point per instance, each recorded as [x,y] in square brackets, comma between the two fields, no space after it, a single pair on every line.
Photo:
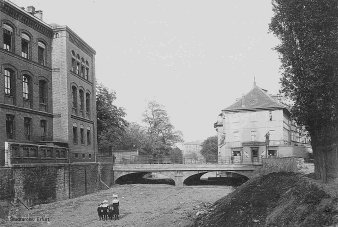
[111,124]
[308,34]
[210,149]
[162,134]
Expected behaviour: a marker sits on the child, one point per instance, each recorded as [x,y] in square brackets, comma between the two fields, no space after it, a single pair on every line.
[116,204]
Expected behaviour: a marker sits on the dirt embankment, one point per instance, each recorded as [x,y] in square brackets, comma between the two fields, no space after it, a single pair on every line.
[140,205]
[276,199]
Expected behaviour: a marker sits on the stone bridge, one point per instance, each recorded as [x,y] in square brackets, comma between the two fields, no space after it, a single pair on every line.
[182,172]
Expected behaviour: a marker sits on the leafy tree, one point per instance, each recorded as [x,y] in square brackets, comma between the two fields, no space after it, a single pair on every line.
[162,135]
[210,149]
[308,31]
[111,124]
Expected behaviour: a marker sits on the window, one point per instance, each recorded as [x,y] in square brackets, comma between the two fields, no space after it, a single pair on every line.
[82,135]
[43,95]
[78,65]
[27,128]
[81,102]
[10,126]
[82,68]
[25,40]
[26,87]
[77,68]
[9,82]
[253,135]
[90,156]
[75,138]
[88,105]
[42,91]
[83,155]
[89,141]
[7,37]
[74,97]
[73,65]
[76,155]
[87,71]
[41,53]
[43,127]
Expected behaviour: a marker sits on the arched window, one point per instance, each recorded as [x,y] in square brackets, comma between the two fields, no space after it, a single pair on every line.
[27,91]
[88,105]
[81,94]
[82,68]
[73,62]
[87,71]
[78,65]
[41,53]
[9,82]
[8,35]
[26,86]
[43,95]
[25,45]
[74,97]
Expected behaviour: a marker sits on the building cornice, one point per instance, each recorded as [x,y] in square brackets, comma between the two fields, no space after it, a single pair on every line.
[26,18]
[75,39]
[82,119]
[25,59]
[21,109]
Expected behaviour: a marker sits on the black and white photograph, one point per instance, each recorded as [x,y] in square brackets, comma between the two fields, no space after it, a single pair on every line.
[168,113]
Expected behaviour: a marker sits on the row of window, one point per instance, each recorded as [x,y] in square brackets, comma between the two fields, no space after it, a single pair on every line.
[76,155]
[26,44]
[82,136]
[84,102]
[27,125]
[27,89]
[80,66]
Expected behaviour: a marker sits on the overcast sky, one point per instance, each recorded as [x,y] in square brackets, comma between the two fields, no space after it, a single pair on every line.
[193,56]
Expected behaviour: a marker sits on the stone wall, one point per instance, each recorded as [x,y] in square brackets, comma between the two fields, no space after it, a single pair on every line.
[37,184]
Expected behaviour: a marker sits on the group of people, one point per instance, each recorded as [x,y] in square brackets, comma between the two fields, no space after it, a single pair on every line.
[109,211]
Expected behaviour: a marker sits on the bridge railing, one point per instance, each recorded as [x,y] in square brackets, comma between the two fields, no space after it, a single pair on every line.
[148,159]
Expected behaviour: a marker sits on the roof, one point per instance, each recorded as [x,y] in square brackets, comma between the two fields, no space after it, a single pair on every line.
[256,99]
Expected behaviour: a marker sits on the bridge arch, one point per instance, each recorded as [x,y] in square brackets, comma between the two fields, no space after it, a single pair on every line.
[137,177]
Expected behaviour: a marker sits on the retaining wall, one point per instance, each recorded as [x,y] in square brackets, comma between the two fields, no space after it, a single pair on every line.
[37,184]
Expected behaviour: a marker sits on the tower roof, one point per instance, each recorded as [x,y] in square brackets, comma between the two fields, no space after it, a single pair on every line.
[256,99]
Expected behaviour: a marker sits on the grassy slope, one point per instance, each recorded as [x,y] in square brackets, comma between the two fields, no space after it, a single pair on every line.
[276,199]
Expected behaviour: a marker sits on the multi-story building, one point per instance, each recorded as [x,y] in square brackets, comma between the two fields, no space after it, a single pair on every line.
[26,76]
[74,105]
[48,87]
[191,152]
[254,124]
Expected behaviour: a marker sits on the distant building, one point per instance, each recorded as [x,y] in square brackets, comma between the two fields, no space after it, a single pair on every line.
[47,75]
[192,151]
[255,123]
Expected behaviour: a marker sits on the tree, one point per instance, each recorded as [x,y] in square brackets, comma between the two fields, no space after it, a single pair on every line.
[308,31]
[162,135]
[210,149]
[111,124]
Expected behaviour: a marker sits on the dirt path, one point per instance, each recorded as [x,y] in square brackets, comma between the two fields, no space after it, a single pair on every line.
[140,205]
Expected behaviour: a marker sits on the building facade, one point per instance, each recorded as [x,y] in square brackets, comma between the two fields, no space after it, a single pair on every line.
[26,77]
[255,126]
[43,98]
[74,105]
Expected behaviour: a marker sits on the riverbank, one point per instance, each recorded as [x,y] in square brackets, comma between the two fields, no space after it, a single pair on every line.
[275,199]
[141,205]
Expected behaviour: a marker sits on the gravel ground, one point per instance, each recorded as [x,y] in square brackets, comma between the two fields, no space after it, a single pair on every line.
[140,205]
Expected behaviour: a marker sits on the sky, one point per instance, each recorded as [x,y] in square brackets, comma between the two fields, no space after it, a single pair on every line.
[195,57]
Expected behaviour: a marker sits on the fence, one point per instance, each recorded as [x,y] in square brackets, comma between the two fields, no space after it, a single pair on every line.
[148,159]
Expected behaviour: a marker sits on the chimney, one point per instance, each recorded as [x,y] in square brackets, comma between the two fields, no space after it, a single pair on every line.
[38,14]
[31,9]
